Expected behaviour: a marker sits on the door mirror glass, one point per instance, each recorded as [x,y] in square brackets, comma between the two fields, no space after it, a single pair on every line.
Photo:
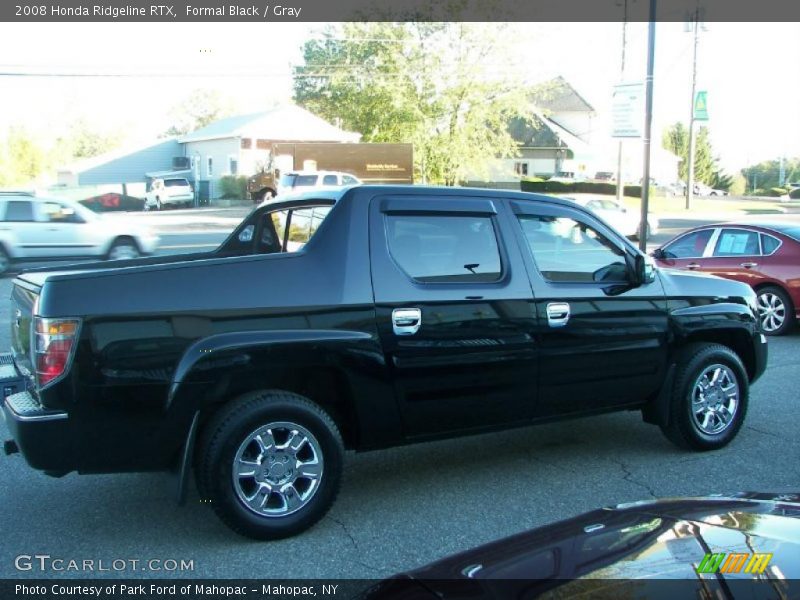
[645,270]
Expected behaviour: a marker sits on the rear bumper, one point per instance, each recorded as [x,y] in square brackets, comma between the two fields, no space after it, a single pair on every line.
[44,437]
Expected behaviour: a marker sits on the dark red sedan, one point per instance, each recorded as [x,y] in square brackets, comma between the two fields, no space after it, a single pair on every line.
[764,255]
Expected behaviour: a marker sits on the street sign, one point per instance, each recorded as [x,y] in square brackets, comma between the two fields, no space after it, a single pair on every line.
[701,106]
[627,108]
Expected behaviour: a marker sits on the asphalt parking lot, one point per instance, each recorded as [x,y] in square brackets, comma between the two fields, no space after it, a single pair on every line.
[403,507]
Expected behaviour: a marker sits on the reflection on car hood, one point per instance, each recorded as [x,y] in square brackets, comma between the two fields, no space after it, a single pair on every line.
[633,548]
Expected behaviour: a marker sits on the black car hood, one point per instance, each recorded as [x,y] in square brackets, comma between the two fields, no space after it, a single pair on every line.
[687,283]
[623,546]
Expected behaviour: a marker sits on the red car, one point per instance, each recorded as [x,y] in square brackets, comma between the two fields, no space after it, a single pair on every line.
[764,255]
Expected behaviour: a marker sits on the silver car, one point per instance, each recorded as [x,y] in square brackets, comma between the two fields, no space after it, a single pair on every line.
[43,229]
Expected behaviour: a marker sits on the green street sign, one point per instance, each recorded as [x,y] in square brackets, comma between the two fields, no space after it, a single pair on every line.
[700,107]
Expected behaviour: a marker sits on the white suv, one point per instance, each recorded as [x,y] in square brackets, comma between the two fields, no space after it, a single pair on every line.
[41,229]
[169,192]
[299,181]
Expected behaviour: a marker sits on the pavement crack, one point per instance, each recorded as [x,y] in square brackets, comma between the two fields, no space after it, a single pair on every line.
[354,543]
[628,476]
[761,431]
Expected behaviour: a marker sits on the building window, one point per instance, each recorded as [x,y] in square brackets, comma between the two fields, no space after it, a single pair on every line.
[521,168]
[262,144]
[247,143]
[209,167]
[233,165]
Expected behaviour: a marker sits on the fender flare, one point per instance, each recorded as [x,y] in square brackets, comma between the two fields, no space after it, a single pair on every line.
[234,341]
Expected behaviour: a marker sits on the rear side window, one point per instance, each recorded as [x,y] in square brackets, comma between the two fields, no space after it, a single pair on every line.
[691,245]
[444,248]
[19,211]
[769,244]
[305,181]
[737,242]
[329,180]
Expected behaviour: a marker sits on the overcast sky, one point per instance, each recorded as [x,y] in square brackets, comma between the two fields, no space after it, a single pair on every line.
[750,71]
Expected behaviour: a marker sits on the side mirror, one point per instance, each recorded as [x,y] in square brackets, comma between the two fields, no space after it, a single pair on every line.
[658,254]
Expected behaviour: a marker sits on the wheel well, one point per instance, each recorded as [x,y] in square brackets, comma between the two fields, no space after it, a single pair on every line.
[325,386]
[124,238]
[778,285]
[739,341]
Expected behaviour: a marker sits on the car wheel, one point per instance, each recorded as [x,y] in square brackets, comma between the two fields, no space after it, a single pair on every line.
[123,249]
[775,310]
[709,397]
[5,261]
[270,464]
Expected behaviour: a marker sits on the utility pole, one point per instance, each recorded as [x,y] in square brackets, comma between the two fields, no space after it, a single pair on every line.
[690,167]
[648,124]
[620,182]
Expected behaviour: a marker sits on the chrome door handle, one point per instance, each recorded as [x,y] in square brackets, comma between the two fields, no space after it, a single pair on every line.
[693,266]
[406,321]
[557,314]
[748,265]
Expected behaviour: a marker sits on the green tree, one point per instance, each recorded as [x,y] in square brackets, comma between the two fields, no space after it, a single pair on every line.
[197,110]
[676,139]
[766,174]
[22,158]
[431,84]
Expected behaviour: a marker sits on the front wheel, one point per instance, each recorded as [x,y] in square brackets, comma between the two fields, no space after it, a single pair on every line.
[775,310]
[123,249]
[270,464]
[709,397]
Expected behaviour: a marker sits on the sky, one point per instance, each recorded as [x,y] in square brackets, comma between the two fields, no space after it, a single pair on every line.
[751,72]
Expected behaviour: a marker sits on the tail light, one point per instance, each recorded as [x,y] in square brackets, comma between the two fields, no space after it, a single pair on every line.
[53,347]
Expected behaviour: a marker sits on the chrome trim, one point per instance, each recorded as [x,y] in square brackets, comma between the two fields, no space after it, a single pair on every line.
[52,416]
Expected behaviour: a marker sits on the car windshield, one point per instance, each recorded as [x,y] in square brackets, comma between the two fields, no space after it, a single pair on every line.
[288,179]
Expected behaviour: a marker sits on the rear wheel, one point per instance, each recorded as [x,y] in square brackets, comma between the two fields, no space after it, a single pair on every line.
[270,464]
[5,261]
[123,249]
[709,397]
[775,310]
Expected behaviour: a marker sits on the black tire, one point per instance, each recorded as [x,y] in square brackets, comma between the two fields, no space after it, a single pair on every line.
[683,429]
[773,297]
[123,248]
[223,441]
[5,261]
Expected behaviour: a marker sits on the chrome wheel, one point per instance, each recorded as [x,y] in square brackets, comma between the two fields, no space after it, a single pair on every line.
[277,469]
[771,311]
[123,251]
[715,399]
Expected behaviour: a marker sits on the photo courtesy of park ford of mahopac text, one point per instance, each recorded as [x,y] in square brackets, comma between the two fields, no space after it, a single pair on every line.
[421,299]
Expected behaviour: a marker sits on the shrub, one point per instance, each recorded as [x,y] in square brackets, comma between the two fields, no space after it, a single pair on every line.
[232,187]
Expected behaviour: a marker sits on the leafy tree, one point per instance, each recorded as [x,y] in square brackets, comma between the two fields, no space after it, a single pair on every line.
[766,174]
[676,140]
[200,108]
[424,83]
[22,158]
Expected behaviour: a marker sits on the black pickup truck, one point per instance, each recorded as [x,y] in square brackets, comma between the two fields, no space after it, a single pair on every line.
[361,319]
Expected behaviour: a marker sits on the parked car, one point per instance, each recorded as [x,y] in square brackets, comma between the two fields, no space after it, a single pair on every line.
[410,313]
[173,191]
[606,176]
[738,546]
[299,181]
[112,202]
[39,229]
[618,216]
[763,254]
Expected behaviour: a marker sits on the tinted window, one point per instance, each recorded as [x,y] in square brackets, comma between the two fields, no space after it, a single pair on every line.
[175,182]
[19,210]
[737,242]
[444,248]
[305,180]
[303,224]
[346,179]
[769,244]
[689,246]
[567,250]
[287,180]
[329,180]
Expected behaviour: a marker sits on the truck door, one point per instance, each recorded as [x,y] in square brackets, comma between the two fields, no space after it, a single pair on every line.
[603,343]
[454,313]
